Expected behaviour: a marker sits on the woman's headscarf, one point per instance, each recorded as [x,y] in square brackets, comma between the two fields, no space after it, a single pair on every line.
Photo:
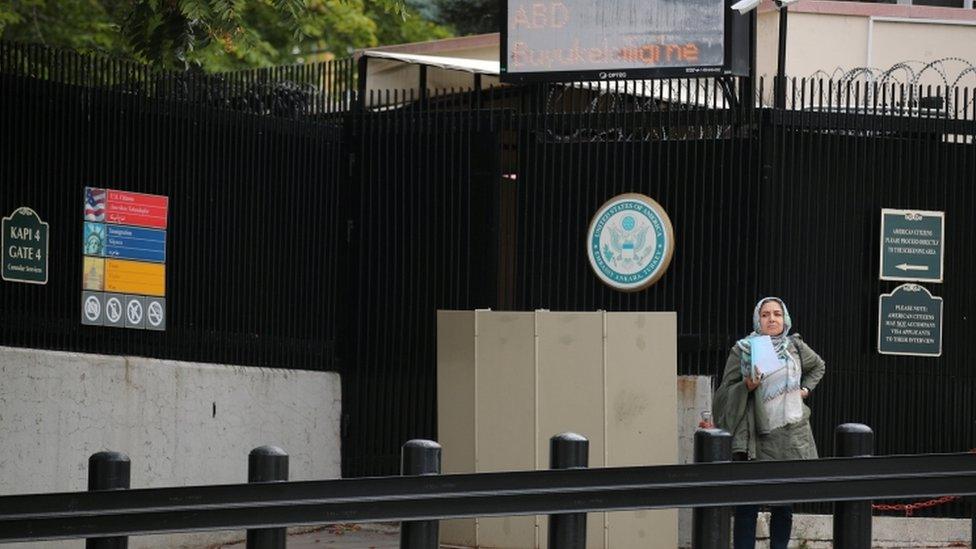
[781,342]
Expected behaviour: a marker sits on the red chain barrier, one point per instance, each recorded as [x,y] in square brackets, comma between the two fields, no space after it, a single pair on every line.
[910,508]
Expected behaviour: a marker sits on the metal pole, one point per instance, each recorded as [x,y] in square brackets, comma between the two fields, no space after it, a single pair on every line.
[423,80]
[420,457]
[267,464]
[423,85]
[780,100]
[108,471]
[568,451]
[852,519]
[361,89]
[711,526]
[752,82]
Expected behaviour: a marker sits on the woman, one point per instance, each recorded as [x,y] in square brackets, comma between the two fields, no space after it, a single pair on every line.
[765,413]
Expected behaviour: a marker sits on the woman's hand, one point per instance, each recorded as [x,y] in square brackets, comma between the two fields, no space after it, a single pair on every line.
[804,392]
[752,383]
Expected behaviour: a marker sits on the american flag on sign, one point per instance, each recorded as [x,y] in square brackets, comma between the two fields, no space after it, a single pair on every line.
[94,204]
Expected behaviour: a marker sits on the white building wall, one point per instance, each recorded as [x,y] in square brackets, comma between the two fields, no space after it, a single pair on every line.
[180,423]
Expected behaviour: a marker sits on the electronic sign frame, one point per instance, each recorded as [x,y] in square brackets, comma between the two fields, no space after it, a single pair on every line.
[735,59]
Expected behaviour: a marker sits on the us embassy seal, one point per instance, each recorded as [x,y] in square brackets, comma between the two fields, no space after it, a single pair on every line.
[630,242]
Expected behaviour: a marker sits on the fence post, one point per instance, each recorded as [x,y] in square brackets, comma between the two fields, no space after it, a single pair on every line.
[420,457]
[267,464]
[711,526]
[108,471]
[568,451]
[852,519]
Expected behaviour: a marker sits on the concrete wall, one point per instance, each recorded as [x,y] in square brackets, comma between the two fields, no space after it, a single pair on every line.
[180,423]
[694,397]
[807,50]
[835,37]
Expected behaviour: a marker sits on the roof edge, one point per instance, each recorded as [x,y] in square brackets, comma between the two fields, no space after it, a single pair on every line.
[444,45]
[868,9]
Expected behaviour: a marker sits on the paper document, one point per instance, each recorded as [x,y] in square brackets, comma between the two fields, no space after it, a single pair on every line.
[764,358]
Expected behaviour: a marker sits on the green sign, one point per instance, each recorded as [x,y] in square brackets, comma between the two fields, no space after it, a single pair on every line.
[25,247]
[912,245]
[910,322]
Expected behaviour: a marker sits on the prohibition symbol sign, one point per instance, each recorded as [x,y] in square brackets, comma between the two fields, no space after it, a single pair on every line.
[133,312]
[93,308]
[113,310]
[154,313]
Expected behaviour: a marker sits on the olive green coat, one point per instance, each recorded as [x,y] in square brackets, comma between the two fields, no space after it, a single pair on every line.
[735,410]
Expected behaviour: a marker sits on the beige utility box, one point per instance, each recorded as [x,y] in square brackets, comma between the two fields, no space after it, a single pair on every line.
[508,381]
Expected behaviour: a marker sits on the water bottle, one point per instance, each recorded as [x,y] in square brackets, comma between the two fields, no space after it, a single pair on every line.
[706,420]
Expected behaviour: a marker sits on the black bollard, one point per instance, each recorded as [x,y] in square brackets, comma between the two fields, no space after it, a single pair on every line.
[711,526]
[108,471]
[568,451]
[852,519]
[420,457]
[267,464]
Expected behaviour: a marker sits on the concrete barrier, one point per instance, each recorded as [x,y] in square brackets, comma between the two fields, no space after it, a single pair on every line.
[180,423]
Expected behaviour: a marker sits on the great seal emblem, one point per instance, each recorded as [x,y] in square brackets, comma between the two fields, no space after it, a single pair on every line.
[630,242]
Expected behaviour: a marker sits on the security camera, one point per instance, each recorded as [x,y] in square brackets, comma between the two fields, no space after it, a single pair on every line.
[745,6]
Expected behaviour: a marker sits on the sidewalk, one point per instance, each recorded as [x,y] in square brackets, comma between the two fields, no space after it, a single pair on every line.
[372,536]
[387,536]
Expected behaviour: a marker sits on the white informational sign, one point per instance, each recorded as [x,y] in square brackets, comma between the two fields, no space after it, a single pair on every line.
[912,245]
[910,322]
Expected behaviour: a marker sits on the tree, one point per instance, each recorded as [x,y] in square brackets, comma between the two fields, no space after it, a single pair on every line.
[469,16]
[215,34]
[74,24]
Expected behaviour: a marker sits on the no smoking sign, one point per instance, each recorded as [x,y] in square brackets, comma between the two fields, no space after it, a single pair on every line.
[123,311]
[155,313]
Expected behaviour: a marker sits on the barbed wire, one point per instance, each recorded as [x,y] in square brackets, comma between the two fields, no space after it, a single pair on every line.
[909,73]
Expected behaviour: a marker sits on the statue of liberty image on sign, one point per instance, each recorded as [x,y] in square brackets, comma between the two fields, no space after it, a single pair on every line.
[630,242]
[94,243]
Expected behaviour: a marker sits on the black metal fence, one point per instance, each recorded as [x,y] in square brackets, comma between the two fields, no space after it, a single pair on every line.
[306,233]
[268,503]
[255,223]
[313,90]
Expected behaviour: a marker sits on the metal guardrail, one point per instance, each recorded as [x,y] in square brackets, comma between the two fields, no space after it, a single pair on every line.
[196,508]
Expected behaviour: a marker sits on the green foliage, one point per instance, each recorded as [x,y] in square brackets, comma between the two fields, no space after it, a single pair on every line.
[215,34]
[469,16]
[77,24]
[412,28]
